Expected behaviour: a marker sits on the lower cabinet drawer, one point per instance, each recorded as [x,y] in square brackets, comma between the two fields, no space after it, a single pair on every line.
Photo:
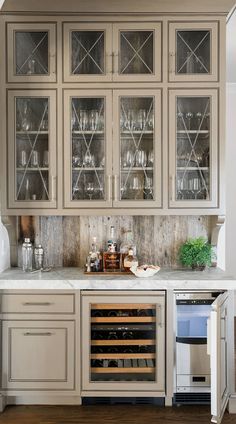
[38,355]
[38,303]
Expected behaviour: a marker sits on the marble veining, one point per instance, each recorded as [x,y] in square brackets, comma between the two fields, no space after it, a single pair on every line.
[74,279]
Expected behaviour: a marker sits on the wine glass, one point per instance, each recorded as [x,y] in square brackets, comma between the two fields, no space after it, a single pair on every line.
[93,120]
[141,158]
[88,160]
[89,189]
[150,160]
[128,159]
[189,116]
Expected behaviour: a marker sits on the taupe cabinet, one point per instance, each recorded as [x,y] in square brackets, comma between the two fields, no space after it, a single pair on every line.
[123,116]
[121,343]
[40,332]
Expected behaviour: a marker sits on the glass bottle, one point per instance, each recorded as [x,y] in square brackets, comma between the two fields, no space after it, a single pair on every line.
[112,243]
[130,260]
[127,243]
[27,255]
[26,123]
[38,256]
[95,258]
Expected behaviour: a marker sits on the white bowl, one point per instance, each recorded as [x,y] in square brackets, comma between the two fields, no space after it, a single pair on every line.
[145,270]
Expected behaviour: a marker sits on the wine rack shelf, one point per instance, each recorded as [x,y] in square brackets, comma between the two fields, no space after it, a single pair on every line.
[122,319]
[123,356]
[130,370]
[139,342]
[122,306]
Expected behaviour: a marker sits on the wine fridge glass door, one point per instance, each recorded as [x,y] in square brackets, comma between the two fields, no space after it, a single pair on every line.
[124,343]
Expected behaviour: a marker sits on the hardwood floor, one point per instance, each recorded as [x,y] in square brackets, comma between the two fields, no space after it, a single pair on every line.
[109,414]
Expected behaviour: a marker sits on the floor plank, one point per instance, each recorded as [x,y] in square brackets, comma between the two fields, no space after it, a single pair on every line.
[109,414]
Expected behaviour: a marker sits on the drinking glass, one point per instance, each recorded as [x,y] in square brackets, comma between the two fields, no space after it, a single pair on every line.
[130,120]
[83,120]
[151,121]
[142,117]
[148,187]
[93,120]
[150,160]
[189,116]
[89,189]
[141,158]
[34,162]
[45,159]
[23,159]
[88,160]
[128,159]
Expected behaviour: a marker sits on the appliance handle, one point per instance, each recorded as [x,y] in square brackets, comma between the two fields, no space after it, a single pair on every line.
[192,340]
[193,302]
[209,336]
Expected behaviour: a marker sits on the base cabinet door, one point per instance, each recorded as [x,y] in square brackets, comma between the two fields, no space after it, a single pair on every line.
[219,357]
[123,342]
[38,355]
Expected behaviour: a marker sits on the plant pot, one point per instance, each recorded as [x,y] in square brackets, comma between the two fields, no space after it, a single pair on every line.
[198,267]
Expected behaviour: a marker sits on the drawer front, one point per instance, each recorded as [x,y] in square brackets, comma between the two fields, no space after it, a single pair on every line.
[38,355]
[38,303]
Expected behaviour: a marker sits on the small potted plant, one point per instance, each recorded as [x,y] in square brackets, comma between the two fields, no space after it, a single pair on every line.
[196,253]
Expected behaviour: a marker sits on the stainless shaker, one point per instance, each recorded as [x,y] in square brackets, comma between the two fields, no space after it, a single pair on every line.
[27,255]
[38,256]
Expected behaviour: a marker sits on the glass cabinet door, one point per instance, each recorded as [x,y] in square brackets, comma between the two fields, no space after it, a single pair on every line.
[137,148]
[193,51]
[193,148]
[137,52]
[88,147]
[123,342]
[31,52]
[87,52]
[32,149]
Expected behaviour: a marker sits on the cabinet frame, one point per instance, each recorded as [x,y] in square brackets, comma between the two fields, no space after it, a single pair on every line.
[44,330]
[156,27]
[52,148]
[107,202]
[212,27]
[214,182]
[157,147]
[157,298]
[68,28]
[52,54]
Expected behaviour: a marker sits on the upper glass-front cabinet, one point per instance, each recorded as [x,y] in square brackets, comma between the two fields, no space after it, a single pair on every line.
[90,54]
[137,148]
[137,52]
[193,51]
[88,148]
[32,149]
[31,52]
[193,148]
[87,52]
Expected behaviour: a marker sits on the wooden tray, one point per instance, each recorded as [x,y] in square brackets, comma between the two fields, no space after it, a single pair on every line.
[109,273]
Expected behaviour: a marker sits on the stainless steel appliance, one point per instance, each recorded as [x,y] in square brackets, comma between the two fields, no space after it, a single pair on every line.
[192,371]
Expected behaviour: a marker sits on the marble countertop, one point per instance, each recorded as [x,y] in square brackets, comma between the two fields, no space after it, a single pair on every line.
[74,278]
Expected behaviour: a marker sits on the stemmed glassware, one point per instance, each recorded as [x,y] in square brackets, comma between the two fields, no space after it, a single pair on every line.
[189,116]
[141,158]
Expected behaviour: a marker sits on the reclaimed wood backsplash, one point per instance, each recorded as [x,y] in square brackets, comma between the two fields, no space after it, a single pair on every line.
[67,240]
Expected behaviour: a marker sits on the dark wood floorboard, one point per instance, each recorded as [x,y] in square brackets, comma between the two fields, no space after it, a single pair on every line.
[109,414]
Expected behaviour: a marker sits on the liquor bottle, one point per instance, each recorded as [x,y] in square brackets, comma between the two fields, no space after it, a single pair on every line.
[130,260]
[94,260]
[112,242]
[127,243]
